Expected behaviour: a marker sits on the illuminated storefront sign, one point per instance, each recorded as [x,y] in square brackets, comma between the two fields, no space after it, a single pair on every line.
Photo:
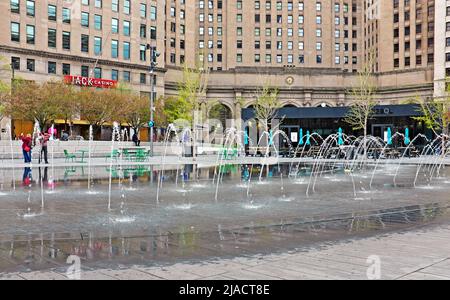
[90,82]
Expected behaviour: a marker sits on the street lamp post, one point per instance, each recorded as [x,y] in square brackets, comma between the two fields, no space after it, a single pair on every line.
[153,57]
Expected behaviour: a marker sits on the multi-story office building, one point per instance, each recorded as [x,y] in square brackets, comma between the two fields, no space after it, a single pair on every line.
[309,50]
[442,48]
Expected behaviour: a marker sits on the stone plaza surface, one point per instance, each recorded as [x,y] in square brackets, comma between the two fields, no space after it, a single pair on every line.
[418,254]
[197,222]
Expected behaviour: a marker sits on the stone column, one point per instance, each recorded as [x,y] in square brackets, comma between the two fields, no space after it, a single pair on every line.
[237,115]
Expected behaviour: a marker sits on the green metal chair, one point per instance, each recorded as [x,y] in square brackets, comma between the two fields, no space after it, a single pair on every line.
[126,155]
[113,155]
[141,155]
[69,156]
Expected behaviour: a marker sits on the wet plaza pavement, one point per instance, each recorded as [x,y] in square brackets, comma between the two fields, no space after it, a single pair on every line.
[187,225]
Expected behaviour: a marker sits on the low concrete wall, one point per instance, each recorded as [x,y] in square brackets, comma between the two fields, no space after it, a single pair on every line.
[98,148]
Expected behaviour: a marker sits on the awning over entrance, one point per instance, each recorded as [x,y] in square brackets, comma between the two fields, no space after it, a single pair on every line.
[337,112]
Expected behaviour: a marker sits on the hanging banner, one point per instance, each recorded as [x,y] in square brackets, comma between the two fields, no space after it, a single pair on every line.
[90,82]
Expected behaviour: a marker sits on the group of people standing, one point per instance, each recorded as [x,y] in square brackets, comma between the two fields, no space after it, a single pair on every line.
[28,144]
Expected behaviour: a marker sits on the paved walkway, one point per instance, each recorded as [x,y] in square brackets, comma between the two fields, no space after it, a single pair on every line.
[418,254]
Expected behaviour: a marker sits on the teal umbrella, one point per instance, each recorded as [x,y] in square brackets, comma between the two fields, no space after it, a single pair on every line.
[270,138]
[407,140]
[308,136]
[245,138]
[389,136]
[340,139]
[301,136]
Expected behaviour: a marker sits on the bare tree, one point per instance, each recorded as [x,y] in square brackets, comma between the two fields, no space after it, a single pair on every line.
[192,91]
[362,109]
[266,106]
[436,113]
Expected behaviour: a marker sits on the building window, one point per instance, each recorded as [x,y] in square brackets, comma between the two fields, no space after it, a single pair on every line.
[30,34]
[290,59]
[126,76]
[97,45]
[114,49]
[143,78]
[66,15]
[66,40]
[85,19]
[143,31]
[114,75]
[126,50]
[126,28]
[301,59]
[153,33]
[98,3]
[97,72]
[51,38]
[98,22]
[115,5]
[279,59]
[126,6]
[15,6]
[31,65]
[153,12]
[114,25]
[51,13]
[84,43]
[85,71]
[143,52]
[15,63]
[30,8]
[419,60]
[143,10]
[66,69]
[15,32]
[51,67]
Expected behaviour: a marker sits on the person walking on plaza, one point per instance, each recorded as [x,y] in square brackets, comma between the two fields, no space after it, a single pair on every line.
[26,147]
[44,138]
[136,140]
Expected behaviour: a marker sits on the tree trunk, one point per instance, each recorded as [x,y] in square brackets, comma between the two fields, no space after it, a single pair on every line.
[444,140]
[194,136]
[365,141]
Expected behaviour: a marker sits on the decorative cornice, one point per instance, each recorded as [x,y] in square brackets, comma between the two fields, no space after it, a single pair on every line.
[81,59]
[312,90]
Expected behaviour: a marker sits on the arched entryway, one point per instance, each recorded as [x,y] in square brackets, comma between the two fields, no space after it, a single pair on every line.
[222,113]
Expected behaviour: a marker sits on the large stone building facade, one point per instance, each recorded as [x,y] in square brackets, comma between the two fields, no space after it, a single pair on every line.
[310,50]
